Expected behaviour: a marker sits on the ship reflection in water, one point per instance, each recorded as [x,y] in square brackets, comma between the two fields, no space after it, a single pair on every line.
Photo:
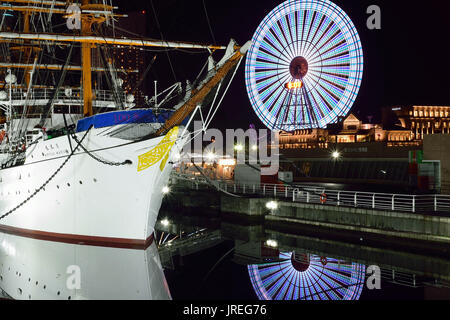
[37,269]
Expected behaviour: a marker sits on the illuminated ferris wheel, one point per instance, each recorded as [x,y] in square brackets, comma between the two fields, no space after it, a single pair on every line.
[301,276]
[305,65]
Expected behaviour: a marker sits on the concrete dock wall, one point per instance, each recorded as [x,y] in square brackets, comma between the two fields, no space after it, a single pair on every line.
[358,218]
[377,224]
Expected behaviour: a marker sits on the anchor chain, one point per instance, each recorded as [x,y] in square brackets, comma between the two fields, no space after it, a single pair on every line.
[109,163]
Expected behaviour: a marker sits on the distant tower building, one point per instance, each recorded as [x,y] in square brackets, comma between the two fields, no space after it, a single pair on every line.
[132,58]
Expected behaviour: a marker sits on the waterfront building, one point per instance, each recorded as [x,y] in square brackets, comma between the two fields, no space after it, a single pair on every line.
[423,120]
[349,130]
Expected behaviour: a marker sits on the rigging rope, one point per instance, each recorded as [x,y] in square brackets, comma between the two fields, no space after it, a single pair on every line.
[162,38]
[209,23]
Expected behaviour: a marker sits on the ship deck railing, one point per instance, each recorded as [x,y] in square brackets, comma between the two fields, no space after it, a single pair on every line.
[19,94]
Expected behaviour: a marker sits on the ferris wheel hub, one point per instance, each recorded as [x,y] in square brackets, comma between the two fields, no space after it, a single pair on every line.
[298,68]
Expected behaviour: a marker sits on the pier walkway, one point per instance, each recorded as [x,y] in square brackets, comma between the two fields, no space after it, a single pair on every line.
[425,204]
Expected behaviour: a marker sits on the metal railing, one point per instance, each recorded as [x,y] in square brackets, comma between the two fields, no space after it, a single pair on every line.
[314,195]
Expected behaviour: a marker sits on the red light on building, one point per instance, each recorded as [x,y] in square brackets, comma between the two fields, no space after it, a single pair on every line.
[294,85]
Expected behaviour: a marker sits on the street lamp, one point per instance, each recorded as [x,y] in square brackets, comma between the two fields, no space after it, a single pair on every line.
[210,156]
[165,190]
[335,155]
[272,243]
[272,205]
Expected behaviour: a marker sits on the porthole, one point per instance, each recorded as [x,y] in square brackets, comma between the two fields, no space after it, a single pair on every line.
[19,291]
[68,184]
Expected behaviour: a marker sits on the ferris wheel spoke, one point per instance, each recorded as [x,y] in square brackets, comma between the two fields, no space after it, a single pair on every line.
[310,46]
[269,46]
[327,41]
[276,41]
[287,109]
[283,29]
[264,63]
[331,96]
[265,79]
[309,39]
[313,113]
[320,107]
[340,46]
[268,90]
[324,101]
[323,34]
[281,109]
[271,57]
[290,21]
[341,76]
[275,102]
[338,56]
[334,85]
[304,25]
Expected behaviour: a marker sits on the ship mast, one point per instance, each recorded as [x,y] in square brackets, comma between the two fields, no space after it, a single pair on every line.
[92,13]
[86,58]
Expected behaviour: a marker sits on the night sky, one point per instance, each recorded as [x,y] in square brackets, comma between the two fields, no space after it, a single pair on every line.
[406,62]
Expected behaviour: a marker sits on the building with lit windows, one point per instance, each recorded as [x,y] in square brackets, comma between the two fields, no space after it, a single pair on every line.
[348,130]
[130,59]
[367,152]
[422,120]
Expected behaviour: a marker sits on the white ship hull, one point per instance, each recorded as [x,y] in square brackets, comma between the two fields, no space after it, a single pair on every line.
[88,202]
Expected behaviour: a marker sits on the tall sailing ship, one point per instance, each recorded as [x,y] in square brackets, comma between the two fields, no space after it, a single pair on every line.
[80,163]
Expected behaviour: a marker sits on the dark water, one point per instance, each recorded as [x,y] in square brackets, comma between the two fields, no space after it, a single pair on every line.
[209,257]
[245,261]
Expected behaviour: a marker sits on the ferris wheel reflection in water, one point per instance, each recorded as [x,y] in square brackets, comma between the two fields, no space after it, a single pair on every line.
[302,276]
